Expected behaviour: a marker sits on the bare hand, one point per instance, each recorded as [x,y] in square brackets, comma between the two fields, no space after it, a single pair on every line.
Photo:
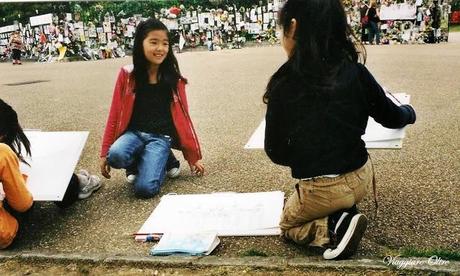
[197,168]
[105,168]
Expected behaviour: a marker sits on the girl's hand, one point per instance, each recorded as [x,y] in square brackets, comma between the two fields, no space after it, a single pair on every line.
[105,168]
[197,168]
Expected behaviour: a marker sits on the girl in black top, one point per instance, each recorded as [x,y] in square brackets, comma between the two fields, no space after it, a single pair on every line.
[373,23]
[318,103]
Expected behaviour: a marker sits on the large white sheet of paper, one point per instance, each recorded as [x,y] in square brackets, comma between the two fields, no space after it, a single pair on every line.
[54,158]
[228,214]
[376,135]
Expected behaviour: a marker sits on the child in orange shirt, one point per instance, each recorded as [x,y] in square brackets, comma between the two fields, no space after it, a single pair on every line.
[12,142]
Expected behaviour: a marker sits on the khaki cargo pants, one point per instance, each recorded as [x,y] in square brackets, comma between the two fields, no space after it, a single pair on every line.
[305,214]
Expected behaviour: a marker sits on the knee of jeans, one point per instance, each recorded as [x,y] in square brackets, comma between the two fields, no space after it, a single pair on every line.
[147,190]
[117,159]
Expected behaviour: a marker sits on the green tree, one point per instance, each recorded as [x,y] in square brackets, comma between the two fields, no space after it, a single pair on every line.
[94,11]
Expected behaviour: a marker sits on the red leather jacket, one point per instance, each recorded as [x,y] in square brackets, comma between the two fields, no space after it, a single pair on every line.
[122,109]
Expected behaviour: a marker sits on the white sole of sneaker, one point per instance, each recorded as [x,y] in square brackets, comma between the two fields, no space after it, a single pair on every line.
[350,241]
[344,215]
[131,178]
[174,172]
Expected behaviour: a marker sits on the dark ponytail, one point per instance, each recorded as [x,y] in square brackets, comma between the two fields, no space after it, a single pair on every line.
[11,132]
[323,43]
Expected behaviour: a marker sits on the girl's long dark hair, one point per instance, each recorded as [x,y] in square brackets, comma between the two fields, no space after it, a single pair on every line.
[11,132]
[323,42]
[169,72]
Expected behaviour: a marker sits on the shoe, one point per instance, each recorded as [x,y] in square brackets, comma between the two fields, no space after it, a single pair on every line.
[131,174]
[173,169]
[347,236]
[131,178]
[88,184]
[173,172]
[336,219]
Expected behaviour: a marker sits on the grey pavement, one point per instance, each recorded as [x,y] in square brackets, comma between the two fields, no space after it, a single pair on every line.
[75,264]
[418,186]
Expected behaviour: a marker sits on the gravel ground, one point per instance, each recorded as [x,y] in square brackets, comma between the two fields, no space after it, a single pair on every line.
[417,185]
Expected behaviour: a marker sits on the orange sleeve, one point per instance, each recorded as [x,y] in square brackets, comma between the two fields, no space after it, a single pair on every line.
[14,183]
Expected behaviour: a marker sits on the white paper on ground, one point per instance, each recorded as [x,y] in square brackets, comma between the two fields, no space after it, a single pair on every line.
[54,158]
[228,214]
[187,243]
[376,135]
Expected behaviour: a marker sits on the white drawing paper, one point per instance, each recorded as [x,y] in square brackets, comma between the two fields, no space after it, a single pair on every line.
[54,158]
[228,214]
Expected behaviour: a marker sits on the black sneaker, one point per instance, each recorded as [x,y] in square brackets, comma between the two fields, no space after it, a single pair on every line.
[347,236]
[335,220]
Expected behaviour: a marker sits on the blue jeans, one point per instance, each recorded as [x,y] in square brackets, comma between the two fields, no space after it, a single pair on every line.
[374,31]
[150,152]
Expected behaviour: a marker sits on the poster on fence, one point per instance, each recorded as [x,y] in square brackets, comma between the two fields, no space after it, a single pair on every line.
[44,19]
[9,28]
[106,26]
[130,31]
[204,19]
[102,38]
[254,28]
[403,11]
[79,25]
[253,15]
[171,24]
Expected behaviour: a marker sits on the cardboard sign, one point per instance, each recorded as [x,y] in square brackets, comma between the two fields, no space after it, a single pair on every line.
[54,158]
[228,214]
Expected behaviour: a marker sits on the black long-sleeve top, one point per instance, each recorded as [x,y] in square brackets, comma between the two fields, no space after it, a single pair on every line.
[317,131]
[372,15]
[152,110]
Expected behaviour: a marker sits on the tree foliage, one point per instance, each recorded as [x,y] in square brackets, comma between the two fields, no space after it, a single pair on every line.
[94,11]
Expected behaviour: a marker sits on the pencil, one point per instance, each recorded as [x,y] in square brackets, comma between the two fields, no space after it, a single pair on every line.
[147,234]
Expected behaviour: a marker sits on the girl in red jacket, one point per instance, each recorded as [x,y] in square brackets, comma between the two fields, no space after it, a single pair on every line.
[149,115]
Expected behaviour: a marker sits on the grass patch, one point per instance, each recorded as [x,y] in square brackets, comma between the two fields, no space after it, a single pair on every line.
[440,252]
[454,28]
[253,252]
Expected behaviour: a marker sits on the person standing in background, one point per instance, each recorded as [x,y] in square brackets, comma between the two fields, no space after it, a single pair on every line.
[362,12]
[435,11]
[16,46]
[373,24]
